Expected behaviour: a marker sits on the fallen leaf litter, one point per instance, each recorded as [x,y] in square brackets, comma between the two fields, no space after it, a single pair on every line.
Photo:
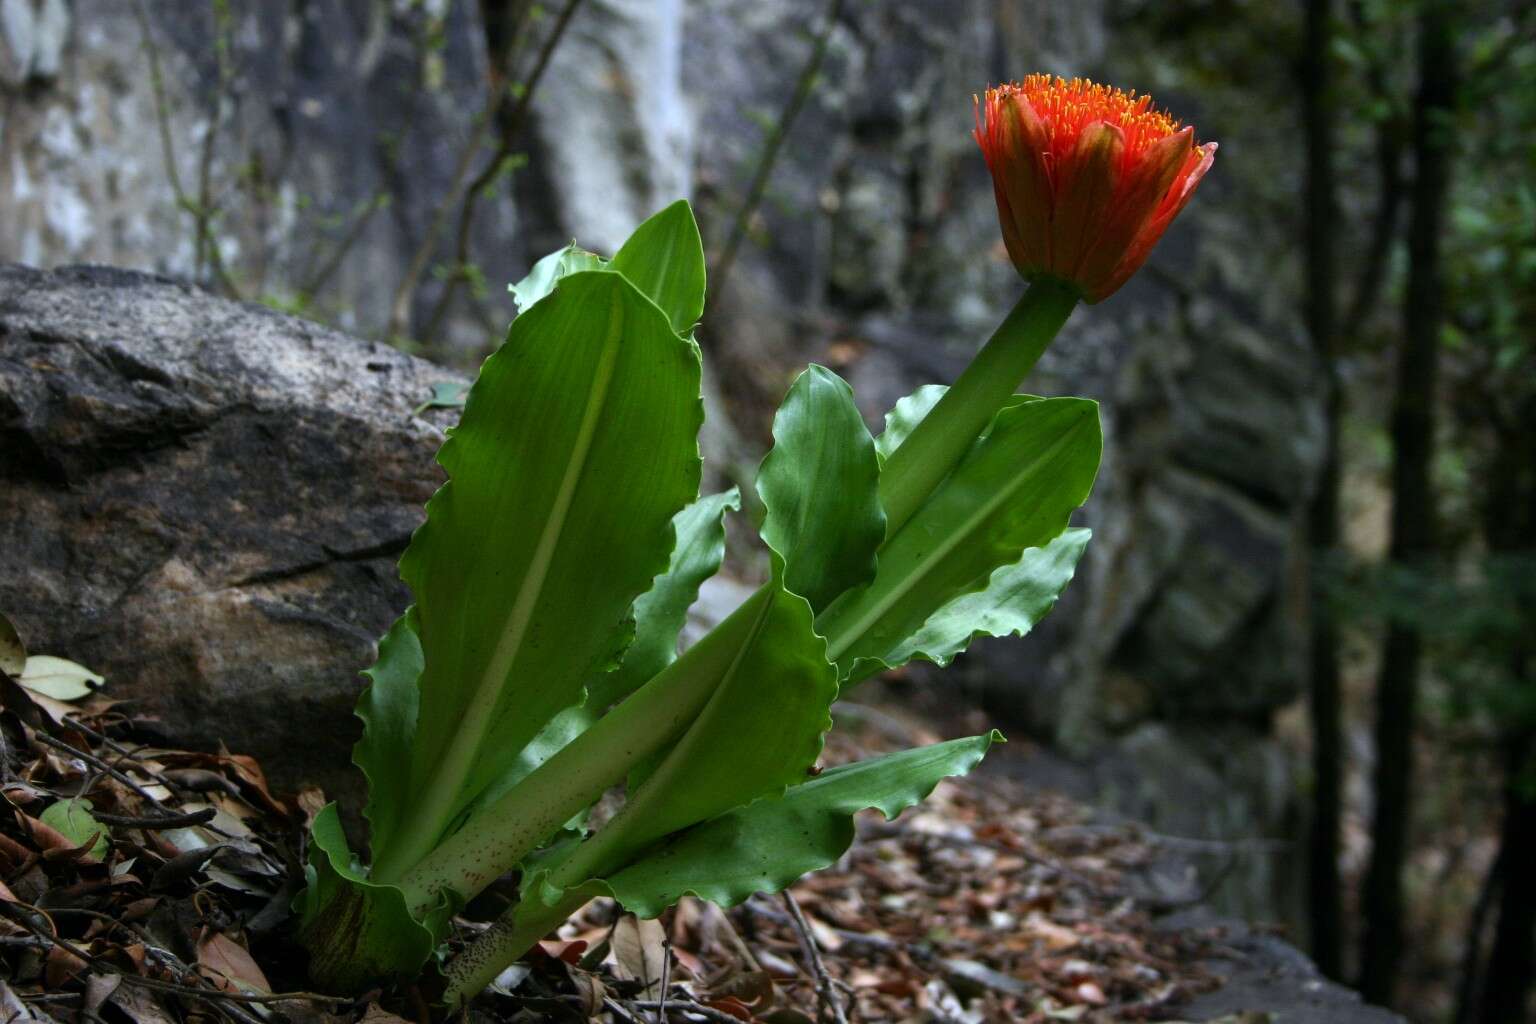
[144,883]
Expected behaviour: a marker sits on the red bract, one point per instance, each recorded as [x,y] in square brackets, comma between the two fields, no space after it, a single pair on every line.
[1088,177]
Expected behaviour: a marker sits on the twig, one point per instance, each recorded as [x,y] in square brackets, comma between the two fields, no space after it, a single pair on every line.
[187,820]
[323,275]
[666,981]
[825,990]
[155,950]
[850,939]
[618,1011]
[100,765]
[16,911]
[775,141]
[206,209]
[123,753]
[690,1006]
[200,216]
[400,307]
[508,132]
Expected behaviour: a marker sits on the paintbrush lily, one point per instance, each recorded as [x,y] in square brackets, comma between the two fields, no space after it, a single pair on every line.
[1087,177]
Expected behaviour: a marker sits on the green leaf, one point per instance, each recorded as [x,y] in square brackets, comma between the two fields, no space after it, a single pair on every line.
[58,678]
[73,820]
[388,707]
[820,487]
[767,845]
[357,933]
[549,271]
[760,732]
[576,448]
[662,611]
[446,394]
[659,617]
[1015,490]
[664,258]
[904,417]
[1015,598]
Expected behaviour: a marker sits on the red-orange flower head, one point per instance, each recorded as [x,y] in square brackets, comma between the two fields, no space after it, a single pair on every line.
[1087,177]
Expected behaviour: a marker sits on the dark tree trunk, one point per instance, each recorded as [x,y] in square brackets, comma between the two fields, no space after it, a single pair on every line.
[1502,988]
[1507,981]
[1390,133]
[1413,516]
[1469,992]
[1318,115]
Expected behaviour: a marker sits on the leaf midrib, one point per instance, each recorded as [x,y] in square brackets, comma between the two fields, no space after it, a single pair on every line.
[476,719]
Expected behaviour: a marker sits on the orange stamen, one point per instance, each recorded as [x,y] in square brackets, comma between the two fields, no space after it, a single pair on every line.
[1067,107]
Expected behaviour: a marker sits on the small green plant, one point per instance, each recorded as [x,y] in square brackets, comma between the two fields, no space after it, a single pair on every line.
[538,667]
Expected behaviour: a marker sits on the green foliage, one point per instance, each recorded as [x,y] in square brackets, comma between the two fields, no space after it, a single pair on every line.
[356,932]
[603,437]
[659,618]
[819,486]
[768,844]
[1015,490]
[539,665]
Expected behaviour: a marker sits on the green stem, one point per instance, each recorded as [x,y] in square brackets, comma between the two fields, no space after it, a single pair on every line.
[937,444]
[512,935]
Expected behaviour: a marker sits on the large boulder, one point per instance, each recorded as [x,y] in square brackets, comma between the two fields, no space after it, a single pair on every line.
[204,501]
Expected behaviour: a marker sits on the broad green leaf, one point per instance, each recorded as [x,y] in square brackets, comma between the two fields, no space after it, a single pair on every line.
[820,487]
[357,932]
[73,820]
[388,707]
[760,732]
[659,617]
[1015,598]
[664,258]
[549,271]
[1015,490]
[58,678]
[576,448]
[13,653]
[767,845]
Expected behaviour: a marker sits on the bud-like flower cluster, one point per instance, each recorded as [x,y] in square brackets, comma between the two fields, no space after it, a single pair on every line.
[1087,177]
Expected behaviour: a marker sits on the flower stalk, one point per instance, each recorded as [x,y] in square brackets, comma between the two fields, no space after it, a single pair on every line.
[937,444]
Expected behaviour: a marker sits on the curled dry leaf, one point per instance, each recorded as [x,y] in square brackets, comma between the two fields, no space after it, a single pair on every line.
[230,964]
[732,1006]
[589,987]
[376,1014]
[640,953]
[60,967]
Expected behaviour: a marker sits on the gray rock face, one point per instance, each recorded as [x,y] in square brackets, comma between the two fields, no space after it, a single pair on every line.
[875,250]
[204,501]
[1268,978]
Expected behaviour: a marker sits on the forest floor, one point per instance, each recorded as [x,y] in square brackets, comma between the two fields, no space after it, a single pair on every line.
[992,901]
